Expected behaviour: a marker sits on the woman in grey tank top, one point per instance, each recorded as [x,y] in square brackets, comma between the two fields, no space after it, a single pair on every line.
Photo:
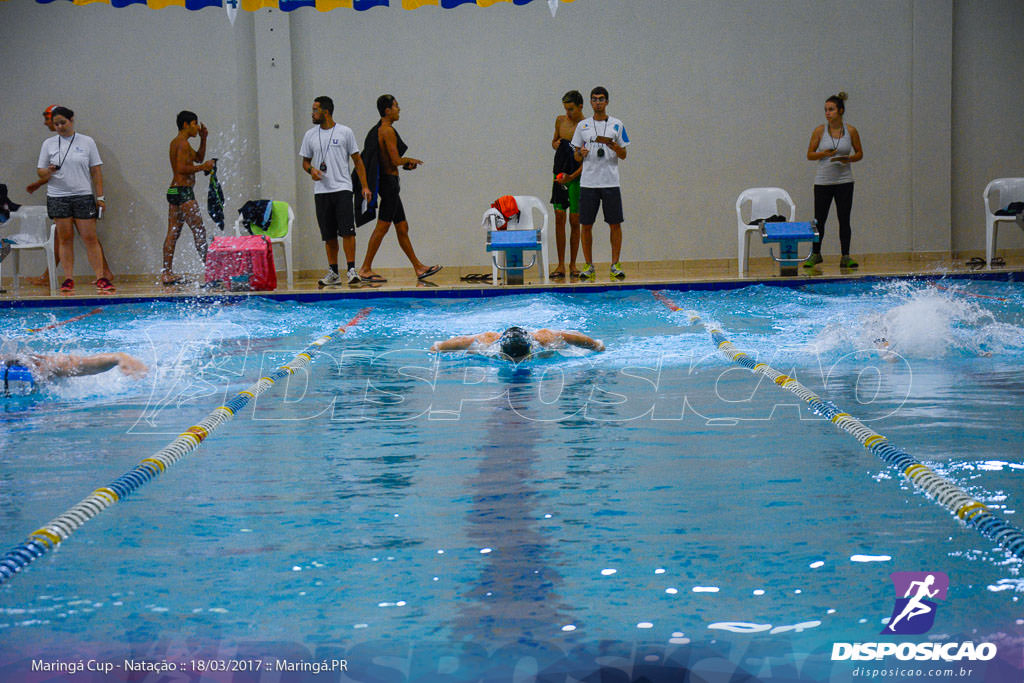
[834,145]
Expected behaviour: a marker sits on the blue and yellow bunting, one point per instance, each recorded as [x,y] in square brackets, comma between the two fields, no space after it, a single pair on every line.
[290,5]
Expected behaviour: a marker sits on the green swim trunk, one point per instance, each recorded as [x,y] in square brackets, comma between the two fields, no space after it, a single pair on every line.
[179,194]
[566,197]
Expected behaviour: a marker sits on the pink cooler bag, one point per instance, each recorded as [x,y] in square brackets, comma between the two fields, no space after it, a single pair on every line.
[243,263]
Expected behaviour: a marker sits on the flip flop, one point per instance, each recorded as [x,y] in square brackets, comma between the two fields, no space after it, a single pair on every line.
[476,277]
[432,270]
[374,278]
[557,275]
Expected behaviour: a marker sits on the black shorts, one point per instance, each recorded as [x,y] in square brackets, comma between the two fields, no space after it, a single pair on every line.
[334,214]
[609,198]
[391,209]
[76,206]
[179,194]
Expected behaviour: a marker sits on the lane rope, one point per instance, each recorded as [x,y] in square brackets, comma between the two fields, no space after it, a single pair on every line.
[47,538]
[969,294]
[64,322]
[971,512]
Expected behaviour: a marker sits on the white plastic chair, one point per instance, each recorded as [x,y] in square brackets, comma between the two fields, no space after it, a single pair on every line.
[1008,190]
[527,204]
[764,203]
[33,229]
[285,242]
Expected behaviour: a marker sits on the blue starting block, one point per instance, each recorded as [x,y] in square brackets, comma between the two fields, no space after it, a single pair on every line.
[788,236]
[513,243]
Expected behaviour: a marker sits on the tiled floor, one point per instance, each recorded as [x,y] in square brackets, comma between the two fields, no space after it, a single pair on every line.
[450,278]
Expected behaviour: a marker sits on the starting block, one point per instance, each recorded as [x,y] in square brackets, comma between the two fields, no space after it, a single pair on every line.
[788,236]
[512,243]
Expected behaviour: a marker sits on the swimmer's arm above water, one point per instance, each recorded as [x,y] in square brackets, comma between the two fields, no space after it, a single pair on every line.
[463,343]
[67,365]
[548,337]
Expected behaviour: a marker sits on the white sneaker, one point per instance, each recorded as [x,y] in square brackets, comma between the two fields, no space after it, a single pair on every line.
[331,278]
[353,277]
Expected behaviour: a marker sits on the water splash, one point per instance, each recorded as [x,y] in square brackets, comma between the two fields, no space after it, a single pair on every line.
[920,321]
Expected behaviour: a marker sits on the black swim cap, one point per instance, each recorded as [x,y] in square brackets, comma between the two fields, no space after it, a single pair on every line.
[515,343]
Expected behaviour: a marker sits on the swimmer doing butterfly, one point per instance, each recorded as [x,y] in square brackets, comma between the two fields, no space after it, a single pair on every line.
[517,344]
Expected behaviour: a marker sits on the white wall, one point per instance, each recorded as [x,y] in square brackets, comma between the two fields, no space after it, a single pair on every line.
[716,97]
[126,73]
[988,112]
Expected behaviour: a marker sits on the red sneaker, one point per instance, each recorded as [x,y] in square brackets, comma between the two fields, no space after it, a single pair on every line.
[104,286]
[68,285]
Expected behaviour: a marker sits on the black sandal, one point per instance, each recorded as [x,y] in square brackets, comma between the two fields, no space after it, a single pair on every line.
[476,277]
[977,263]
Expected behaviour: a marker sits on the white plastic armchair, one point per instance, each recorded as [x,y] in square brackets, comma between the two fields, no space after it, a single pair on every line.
[527,204]
[764,202]
[32,229]
[285,241]
[1006,190]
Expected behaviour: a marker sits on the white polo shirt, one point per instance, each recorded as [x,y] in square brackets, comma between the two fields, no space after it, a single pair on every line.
[600,171]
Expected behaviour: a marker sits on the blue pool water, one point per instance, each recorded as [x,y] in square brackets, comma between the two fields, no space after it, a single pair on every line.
[423,516]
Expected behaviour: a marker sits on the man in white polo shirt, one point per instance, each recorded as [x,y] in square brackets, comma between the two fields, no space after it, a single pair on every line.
[600,142]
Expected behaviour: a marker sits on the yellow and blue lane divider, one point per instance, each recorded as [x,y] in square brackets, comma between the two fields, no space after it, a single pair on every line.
[947,494]
[47,538]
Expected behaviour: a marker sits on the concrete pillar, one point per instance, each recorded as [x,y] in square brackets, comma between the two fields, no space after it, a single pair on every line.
[931,113]
[274,100]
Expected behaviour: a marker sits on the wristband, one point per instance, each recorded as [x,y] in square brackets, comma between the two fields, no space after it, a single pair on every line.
[101,198]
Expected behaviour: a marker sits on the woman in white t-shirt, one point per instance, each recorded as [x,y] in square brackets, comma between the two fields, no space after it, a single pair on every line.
[70,164]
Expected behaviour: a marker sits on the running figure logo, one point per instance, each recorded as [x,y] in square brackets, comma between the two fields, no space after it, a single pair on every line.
[914,613]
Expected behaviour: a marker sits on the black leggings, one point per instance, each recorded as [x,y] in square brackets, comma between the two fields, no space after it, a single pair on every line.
[823,196]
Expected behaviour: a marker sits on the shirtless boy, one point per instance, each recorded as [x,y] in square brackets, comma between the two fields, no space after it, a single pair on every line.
[565,190]
[181,199]
[391,209]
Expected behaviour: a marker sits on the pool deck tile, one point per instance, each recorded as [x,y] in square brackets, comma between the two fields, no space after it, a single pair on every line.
[449,281]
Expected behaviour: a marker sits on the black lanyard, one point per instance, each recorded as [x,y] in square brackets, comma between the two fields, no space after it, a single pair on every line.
[323,155]
[60,161]
[835,141]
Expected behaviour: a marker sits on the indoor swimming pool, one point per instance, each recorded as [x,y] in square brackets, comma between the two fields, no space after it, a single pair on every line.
[450,516]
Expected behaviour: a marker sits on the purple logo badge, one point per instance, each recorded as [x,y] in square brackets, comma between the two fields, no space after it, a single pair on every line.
[916,592]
